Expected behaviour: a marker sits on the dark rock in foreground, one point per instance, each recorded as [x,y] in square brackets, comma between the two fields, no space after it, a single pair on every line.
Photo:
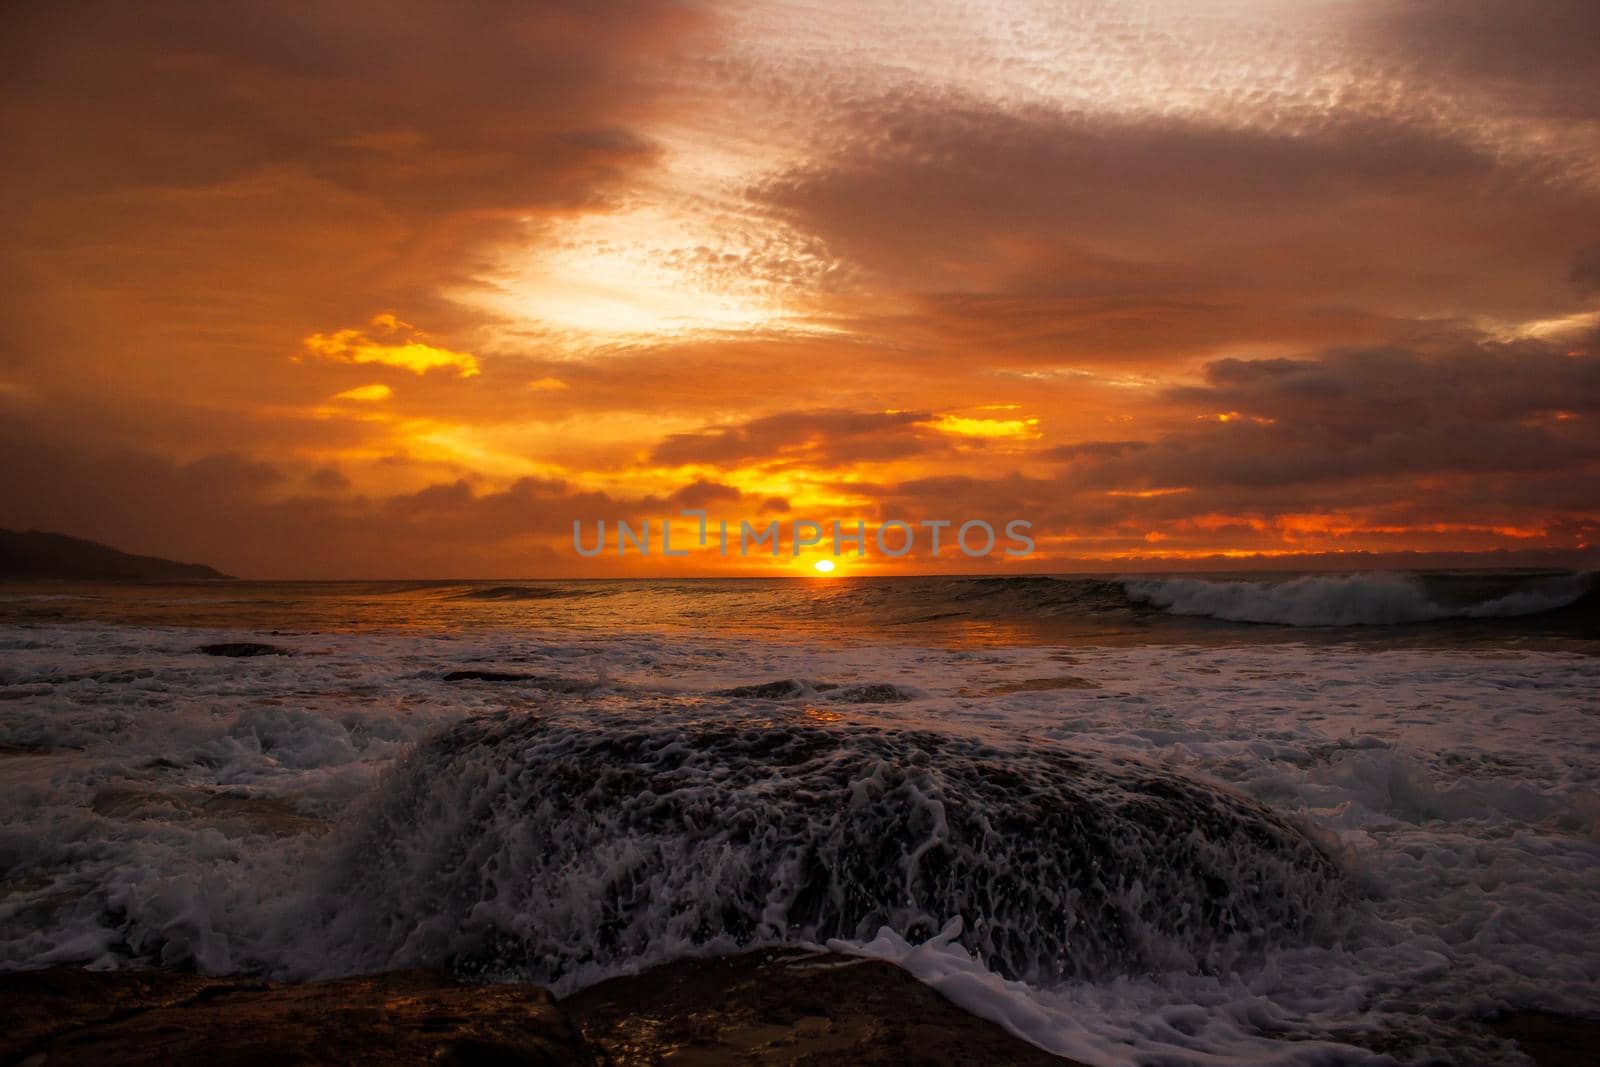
[786,1006]
[781,1006]
[157,1017]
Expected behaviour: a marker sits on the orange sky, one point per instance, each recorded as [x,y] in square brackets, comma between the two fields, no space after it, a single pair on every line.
[403,289]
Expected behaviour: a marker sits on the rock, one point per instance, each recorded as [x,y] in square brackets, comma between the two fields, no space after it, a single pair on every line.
[240,649]
[782,1006]
[62,1018]
[788,1006]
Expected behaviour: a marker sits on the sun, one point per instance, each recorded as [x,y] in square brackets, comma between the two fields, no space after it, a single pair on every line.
[824,566]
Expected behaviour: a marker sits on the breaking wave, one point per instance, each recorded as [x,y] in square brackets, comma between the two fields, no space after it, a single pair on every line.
[1350,599]
[518,845]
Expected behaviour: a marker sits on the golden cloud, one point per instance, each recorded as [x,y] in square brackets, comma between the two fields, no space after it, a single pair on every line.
[366,393]
[962,426]
[398,344]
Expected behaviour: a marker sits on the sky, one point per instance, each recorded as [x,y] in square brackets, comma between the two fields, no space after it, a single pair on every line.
[401,289]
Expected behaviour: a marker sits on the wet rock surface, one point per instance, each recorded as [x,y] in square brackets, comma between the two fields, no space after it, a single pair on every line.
[787,1006]
[778,1007]
[781,1006]
[77,1017]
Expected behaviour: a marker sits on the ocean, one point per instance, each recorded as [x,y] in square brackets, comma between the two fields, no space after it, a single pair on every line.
[1177,819]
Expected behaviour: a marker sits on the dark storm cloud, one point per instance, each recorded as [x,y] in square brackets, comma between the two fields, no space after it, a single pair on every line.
[1541,58]
[431,108]
[1095,450]
[700,494]
[1373,415]
[818,437]
[1586,270]
[328,480]
[1002,497]
[968,171]
[1088,234]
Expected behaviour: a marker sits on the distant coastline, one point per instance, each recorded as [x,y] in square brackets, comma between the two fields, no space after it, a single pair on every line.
[37,555]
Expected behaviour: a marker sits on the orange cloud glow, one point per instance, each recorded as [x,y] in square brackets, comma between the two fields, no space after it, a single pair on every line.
[366,394]
[398,346]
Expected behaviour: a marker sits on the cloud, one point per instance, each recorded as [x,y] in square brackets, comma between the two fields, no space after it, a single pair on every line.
[1540,61]
[1095,450]
[1045,233]
[432,109]
[276,521]
[1585,275]
[823,437]
[703,494]
[399,345]
[192,190]
[366,394]
[1269,293]
[328,480]
[1366,419]
[968,426]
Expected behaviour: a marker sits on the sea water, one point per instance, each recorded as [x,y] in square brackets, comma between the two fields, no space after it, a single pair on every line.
[1178,819]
